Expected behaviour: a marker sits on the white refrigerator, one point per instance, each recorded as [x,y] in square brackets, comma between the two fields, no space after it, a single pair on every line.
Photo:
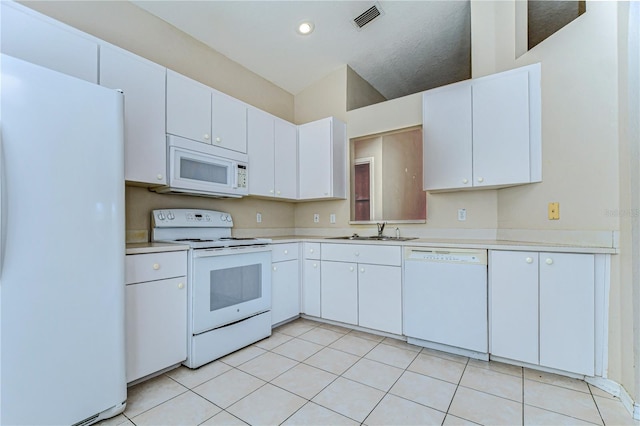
[62,248]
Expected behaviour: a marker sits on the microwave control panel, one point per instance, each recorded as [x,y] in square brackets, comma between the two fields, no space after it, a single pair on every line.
[242,176]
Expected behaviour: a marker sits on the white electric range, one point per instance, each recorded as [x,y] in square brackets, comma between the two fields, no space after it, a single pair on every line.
[228,282]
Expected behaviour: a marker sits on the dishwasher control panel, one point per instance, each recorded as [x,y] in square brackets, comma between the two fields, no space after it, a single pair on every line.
[477,257]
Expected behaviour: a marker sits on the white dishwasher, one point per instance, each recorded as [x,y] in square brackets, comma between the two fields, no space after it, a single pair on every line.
[445,299]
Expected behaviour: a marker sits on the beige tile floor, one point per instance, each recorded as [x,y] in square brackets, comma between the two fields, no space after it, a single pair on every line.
[309,373]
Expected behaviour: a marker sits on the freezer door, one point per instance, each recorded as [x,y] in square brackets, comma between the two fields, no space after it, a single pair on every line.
[62,241]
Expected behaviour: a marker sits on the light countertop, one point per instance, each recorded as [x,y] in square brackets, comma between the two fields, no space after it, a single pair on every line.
[451,243]
[142,248]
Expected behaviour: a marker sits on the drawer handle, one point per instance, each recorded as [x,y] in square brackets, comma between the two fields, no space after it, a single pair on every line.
[529,260]
[549,261]
[180,286]
[156,266]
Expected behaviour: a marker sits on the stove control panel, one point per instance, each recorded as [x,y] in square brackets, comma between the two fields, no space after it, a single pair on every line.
[190,218]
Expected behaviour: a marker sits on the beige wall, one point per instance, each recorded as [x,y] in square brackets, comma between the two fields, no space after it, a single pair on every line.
[359,92]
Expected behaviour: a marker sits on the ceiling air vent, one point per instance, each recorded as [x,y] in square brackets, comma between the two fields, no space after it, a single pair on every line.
[367,16]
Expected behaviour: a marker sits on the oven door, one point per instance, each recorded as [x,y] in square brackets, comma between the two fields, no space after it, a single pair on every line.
[229,285]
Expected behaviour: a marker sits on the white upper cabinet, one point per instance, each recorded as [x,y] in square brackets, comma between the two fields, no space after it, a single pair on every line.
[188,108]
[30,36]
[285,159]
[447,132]
[260,144]
[273,145]
[197,112]
[483,133]
[228,122]
[501,130]
[143,84]
[322,159]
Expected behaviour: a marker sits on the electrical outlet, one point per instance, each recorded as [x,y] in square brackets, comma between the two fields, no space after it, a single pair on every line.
[316,218]
[259,217]
[332,218]
[462,215]
[554,211]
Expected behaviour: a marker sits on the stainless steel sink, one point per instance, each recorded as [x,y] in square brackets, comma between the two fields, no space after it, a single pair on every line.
[372,238]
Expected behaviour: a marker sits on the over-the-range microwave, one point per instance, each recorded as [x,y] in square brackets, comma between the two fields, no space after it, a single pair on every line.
[201,169]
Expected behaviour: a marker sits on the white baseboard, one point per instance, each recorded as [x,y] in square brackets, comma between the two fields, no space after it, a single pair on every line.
[616,390]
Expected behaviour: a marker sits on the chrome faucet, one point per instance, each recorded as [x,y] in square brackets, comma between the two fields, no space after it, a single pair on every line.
[381,228]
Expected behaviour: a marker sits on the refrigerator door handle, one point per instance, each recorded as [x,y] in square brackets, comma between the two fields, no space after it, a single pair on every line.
[3,205]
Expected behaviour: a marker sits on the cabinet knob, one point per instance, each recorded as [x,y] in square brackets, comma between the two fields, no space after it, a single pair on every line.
[465,181]
[357,253]
[529,259]
[361,269]
[275,268]
[315,265]
[310,250]
[206,136]
[271,191]
[278,192]
[218,139]
[480,179]
[549,261]
[180,286]
[159,176]
[351,268]
[156,266]
[286,252]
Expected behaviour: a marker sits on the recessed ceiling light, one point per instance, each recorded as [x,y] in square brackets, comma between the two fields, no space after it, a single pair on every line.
[305,27]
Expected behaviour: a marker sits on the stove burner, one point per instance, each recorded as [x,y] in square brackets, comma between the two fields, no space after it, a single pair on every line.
[194,240]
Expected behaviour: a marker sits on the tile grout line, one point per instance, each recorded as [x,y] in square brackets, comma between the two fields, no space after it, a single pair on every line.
[456,391]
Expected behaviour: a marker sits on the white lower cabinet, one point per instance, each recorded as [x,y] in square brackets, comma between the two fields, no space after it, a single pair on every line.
[339,291]
[380,298]
[285,282]
[156,312]
[311,280]
[542,309]
[366,292]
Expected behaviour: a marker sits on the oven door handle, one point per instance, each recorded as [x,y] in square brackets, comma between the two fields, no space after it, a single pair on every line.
[226,251]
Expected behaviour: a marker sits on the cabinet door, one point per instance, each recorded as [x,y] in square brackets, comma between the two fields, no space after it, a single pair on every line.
[311,288]
[380,298]
[229,122]
[156,326]
[35,38]
[188,108]
[315,162]
[261,153]
[501,129]
[339,291]
[285,291]
[143,84]
[567,312]
[513,305]
[447,137]
[286,160]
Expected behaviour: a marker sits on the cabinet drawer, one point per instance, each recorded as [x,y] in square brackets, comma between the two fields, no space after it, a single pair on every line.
[282,252]
[311,251]
[155,266]
[360,253]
